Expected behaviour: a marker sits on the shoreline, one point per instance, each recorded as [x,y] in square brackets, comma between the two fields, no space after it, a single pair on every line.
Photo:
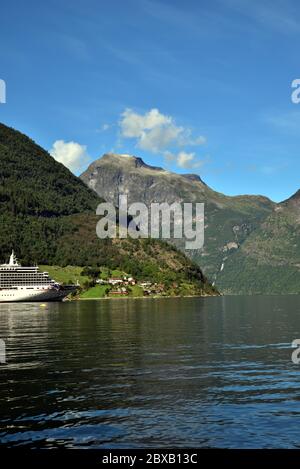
[142,297]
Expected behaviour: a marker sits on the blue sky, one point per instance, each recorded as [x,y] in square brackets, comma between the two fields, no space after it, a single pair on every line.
[193,86]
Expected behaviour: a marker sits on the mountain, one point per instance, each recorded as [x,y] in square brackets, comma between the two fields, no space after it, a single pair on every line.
[229,221]
[115,174]
[48,216]
[269,259]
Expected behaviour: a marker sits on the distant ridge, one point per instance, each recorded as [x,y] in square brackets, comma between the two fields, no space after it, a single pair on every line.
[193,177]
[293,201]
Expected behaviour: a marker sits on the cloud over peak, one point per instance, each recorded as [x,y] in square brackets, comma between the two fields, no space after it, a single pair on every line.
[185,160]
[156,132]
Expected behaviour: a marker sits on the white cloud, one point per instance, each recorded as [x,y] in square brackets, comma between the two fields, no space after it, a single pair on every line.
[159,138]
[135,125]
[184,159]
[71,154]
[156,132]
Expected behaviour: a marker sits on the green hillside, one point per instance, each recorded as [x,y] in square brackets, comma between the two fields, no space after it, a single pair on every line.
[47,216]
[269,259]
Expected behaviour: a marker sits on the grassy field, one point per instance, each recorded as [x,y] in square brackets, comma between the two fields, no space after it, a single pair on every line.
[95,292]
[136,290]
[65,275]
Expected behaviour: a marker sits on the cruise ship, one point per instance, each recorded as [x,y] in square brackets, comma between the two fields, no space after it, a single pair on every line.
[28,284]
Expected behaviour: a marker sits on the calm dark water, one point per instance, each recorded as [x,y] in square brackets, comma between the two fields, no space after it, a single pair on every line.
[207,372]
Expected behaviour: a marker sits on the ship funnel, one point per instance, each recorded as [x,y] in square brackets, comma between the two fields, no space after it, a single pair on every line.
[13,259]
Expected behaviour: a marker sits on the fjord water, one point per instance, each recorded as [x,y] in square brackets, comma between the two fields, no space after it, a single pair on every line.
[197,372]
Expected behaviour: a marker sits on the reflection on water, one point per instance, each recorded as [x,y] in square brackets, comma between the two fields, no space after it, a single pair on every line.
[205,372]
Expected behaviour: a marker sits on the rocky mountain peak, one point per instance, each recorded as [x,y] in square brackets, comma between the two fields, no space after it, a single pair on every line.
[126,160]
[128,174]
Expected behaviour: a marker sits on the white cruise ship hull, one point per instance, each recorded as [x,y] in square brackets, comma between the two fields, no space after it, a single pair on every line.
[32,294]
